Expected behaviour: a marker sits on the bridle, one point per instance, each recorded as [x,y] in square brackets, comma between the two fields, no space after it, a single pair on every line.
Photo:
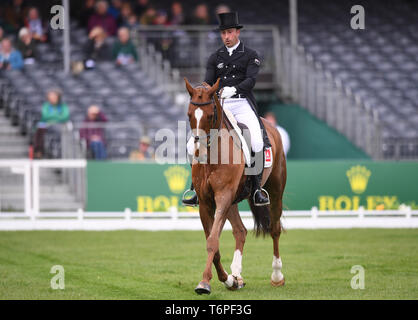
[215,119]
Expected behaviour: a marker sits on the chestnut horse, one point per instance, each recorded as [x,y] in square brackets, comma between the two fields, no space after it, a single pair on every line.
[218,185]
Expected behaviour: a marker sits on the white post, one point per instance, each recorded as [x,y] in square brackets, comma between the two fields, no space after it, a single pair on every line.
[293,28]
[80,214]
[35,188]
[314,212]
[174,212]
[361,212]
[408,212]
[27,189]
[127,214]
[66,34]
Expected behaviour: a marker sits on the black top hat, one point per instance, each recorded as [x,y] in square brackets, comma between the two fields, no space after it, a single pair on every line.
[228,20]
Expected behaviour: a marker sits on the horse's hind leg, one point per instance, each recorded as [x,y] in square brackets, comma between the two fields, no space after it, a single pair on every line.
[235,280]
[277,278]
[276,208]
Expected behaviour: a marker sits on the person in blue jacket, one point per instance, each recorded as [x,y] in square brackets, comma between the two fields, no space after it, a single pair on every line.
[9,57]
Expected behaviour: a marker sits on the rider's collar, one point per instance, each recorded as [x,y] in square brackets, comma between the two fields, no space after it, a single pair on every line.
[231,49]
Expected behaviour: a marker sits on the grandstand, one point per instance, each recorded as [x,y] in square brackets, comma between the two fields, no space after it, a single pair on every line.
[377,65]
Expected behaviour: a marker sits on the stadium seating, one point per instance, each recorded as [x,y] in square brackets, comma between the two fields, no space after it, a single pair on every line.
[379,64]
[132,103]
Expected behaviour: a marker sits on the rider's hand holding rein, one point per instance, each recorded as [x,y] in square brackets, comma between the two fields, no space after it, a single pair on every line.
[228,92]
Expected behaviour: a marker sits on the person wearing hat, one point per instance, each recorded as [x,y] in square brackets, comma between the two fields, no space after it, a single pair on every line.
[93,132]
[237,67]
[26,45]
[144,151]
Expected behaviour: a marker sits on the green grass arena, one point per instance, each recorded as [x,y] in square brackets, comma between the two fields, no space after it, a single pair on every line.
[168,265]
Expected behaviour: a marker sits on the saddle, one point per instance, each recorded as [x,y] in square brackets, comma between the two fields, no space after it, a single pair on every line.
[239,129]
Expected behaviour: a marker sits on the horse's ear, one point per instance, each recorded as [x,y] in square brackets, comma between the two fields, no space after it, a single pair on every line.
[189,87]
[214,87]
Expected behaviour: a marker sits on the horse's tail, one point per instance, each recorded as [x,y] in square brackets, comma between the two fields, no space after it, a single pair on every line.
[261,215]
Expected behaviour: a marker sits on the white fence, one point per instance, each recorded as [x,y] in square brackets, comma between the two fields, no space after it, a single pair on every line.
[30,170]
[157,221]
[33,219]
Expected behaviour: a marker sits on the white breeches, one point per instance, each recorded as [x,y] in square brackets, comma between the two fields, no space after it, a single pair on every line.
[242,111]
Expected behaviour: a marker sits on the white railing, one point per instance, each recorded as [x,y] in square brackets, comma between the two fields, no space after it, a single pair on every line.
[33,219]
[174,220]
[31,177]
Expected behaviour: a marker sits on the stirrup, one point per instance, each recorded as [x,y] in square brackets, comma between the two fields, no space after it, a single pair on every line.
[190,204]
[262,204]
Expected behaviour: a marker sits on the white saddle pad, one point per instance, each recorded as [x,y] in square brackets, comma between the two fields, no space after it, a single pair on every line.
[268,155]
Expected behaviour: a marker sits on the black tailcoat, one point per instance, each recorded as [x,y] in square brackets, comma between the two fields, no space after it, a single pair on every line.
[238,70]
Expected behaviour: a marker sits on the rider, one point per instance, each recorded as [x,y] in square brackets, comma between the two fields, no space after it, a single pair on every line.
[237,66]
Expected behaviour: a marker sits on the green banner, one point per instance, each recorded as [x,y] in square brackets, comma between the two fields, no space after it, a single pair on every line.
[327,185]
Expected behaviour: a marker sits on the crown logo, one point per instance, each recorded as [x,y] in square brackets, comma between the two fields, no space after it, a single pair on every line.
[358,176]
[176,178]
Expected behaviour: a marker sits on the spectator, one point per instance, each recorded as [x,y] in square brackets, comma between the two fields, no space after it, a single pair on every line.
[177,16]
[126,13]
[35,26]
[141,7]
[144,151]
[94,137]
[161,18]
[148,16]
[124,51]
[13,15]
[131,22]
[1,34]
[27,46]
[269,116]
[115,10]
[222,8]
[54,111]
[96,48]
[9,57]
[166,38]
[86,12]
[200,15]
[102,19]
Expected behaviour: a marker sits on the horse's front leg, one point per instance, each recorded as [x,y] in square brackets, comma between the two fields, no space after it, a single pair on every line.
[235,280]
[223,203]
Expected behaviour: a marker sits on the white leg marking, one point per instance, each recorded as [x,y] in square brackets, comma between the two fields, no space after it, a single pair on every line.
[277,274]
[230,281]
[236,265]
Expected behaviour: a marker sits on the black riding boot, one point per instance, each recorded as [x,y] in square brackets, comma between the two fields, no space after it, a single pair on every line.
[259,199]
[260,196]
[193,201]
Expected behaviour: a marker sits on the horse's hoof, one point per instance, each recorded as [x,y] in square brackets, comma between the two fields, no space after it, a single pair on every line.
[238,284]
[277,284]
[202,288]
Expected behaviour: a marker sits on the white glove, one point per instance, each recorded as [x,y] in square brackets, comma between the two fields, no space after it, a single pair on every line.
[228,92]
